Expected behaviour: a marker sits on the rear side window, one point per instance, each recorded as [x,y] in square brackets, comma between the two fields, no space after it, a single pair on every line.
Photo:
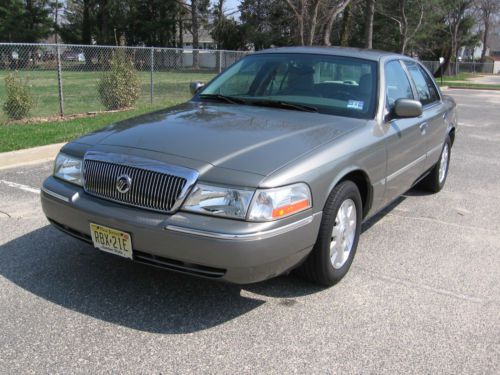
[397,85]
[427,92]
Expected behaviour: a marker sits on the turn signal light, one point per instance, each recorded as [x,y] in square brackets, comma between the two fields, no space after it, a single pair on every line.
[291,208]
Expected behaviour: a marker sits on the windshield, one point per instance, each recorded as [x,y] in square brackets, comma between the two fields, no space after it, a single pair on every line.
[337,85]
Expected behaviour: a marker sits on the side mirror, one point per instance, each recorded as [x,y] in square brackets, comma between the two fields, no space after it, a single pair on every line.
[406,108]
[195,86]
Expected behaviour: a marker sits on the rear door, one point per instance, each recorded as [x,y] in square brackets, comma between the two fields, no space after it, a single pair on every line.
[434,124]
[406,149]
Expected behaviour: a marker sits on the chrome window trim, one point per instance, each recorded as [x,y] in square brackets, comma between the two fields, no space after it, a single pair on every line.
[190,175]
[244,236]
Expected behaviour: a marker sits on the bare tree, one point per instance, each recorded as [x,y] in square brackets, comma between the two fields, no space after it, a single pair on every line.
[195,31]
[345,32]
[335,8]
[315,15]
[408,15]
[369,15]
[299,9]
[487,9]
[457,11]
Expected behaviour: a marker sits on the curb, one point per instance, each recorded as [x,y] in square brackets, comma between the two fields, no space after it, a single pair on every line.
[29,156]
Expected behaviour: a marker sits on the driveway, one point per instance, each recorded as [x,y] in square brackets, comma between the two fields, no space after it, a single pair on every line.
[422,295]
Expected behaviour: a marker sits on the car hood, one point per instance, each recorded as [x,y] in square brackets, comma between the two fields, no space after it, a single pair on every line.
[241,137]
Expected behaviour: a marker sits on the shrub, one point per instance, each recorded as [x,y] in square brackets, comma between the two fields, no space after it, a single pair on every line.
[120,86]
[19,100]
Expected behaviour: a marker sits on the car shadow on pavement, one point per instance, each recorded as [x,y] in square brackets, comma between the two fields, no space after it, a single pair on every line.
[381,214]
[72,274]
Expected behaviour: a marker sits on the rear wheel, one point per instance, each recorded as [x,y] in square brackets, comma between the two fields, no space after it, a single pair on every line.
[436,179]
[338,236]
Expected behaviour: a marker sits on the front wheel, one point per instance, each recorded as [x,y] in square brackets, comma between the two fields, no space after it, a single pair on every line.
[338,236]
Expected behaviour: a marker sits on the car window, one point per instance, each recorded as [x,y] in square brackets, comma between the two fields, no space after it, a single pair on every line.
[425,87]
[397,84]
[338,85]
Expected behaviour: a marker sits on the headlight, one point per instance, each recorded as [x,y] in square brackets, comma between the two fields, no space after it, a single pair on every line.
[68,168]
[219,201]
[272,204]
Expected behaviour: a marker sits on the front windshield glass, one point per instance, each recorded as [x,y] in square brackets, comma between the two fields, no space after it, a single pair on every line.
[337,85]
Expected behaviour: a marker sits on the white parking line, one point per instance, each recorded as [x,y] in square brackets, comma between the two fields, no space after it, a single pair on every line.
[20,186]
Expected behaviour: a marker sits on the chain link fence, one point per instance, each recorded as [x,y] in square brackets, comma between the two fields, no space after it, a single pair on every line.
[64,79]
[461,67]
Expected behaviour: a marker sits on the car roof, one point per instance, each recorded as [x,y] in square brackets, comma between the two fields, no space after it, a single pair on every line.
[367,54]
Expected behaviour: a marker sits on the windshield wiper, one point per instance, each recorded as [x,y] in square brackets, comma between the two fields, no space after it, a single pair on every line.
[225,98]
[285,105]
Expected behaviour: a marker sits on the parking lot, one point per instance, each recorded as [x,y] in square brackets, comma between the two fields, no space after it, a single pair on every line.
[421,297]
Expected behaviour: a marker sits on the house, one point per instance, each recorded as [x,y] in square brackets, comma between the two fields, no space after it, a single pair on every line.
[472,53]
[205,40]
[494,44]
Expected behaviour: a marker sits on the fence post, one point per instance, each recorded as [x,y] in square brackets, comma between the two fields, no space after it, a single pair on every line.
[151,76]
[59,83]
[220,61]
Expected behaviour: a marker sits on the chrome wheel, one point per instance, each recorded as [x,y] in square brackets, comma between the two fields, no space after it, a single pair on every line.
[343,233]
[443,163]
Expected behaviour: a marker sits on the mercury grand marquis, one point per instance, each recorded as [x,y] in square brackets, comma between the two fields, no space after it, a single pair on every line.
[270,167]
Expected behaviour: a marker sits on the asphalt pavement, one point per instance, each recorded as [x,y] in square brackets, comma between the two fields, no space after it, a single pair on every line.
[421,297]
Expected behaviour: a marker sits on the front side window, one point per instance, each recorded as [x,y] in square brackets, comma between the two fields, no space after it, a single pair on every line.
[426,90]
[330,84]
[397,85]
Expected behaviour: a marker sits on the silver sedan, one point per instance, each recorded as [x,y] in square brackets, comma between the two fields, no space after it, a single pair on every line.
[270,167]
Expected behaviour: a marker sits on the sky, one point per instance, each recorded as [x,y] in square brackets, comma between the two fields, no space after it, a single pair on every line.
[231,6]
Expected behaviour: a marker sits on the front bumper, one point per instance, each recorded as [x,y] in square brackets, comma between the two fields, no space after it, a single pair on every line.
[236,251]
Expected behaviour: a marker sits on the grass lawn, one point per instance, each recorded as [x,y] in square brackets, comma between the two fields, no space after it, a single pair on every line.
[471,85]
[80,96]
[80,90]
[19,136]
[459,77]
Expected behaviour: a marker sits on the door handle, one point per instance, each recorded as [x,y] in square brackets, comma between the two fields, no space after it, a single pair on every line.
[423,127]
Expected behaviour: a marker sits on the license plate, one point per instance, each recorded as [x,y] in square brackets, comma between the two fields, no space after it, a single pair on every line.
[111,240]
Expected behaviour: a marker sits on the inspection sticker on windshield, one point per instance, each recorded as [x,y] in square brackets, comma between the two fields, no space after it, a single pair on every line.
[355,104]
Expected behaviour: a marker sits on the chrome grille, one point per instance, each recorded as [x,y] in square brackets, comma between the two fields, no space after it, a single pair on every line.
[150,188]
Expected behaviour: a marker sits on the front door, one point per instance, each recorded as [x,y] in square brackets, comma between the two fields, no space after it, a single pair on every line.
[405,138]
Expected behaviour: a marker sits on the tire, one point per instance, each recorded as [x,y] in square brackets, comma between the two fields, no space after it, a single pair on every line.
[323,265]
[436,179]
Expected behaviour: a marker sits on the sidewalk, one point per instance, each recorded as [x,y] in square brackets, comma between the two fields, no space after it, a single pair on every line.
[29,156]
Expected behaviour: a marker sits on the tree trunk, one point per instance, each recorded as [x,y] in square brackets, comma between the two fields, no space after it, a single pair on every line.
[370,11]
[332,16]
[195,31]
[181,34]
[314,21]
[403,45]
[301,30]
[485,39]
[86,26]
[103,22]
[345,34]
[300,18]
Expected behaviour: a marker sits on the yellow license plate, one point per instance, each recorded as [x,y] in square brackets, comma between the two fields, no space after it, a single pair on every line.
[111,240]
